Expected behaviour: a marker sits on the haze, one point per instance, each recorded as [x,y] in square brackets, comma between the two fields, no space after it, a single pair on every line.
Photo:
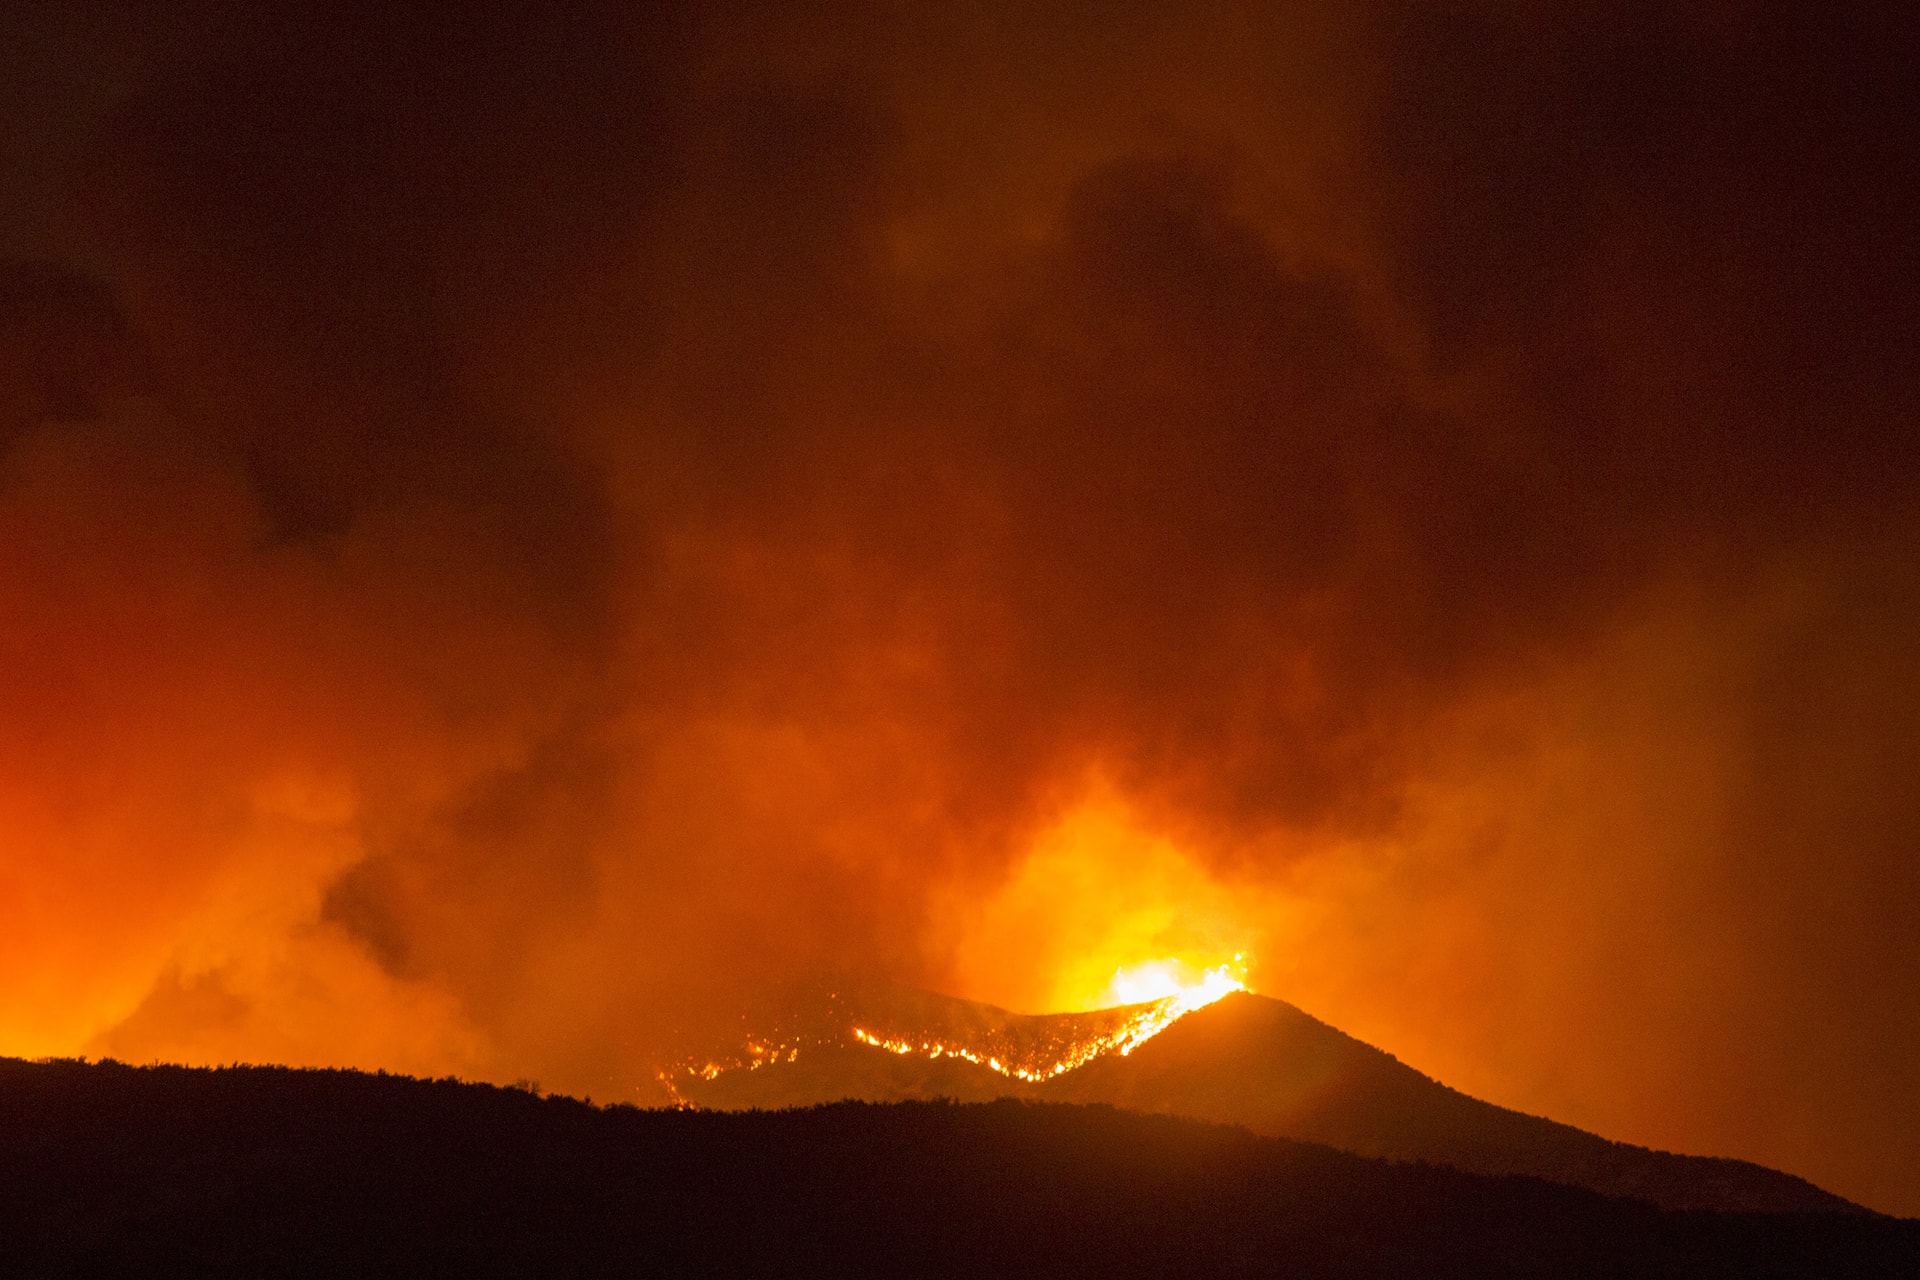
[523,533]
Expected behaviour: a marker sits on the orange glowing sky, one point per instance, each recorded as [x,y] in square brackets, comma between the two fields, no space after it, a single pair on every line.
[522,531]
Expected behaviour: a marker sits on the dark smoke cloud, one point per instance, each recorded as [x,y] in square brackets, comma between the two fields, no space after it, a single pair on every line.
[526,530]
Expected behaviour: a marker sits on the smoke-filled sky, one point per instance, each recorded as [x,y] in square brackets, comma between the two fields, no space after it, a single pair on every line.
[525,529]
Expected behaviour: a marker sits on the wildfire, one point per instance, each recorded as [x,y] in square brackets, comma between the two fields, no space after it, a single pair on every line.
[1142,1000]
[757,1055]
[1160,987]
[1159,980]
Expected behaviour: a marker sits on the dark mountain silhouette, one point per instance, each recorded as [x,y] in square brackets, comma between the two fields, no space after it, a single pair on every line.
[1245,1060]
[1266,1065]
[108,1170]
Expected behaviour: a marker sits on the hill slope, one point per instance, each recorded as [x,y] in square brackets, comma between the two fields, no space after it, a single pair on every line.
[265,1172]
[1246,1060]
[1266,1065]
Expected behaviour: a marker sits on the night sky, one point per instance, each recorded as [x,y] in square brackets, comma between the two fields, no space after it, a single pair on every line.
[526,528]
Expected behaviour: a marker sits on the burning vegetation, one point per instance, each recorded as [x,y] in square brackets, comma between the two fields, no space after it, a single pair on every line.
[1025,1049]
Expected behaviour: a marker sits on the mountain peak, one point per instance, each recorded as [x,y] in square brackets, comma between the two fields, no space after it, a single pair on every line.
[1242,1059]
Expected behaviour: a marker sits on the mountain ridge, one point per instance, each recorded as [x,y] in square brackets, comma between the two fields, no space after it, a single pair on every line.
[1264,1065]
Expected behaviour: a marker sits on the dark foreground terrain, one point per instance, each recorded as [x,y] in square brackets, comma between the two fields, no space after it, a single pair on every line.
[151,1172]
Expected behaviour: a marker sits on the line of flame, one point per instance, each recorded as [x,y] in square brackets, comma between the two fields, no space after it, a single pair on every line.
[1149,1022]
[1130,1035]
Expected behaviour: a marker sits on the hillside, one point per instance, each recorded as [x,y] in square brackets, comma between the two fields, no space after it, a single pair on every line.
[1246,1060]
[1264,1064]
[267,1172]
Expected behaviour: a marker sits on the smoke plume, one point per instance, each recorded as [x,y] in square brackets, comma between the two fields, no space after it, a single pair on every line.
[523,531]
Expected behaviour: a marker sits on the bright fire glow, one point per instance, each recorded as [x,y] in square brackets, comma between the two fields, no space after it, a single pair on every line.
[1172,994]
[1160,993]
[1173,980]
[1104,909]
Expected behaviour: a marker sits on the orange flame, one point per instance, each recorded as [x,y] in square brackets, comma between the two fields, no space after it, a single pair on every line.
[1178,995]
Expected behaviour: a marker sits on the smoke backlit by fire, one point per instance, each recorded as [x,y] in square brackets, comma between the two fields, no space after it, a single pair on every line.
[1103,911]
[526,529]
